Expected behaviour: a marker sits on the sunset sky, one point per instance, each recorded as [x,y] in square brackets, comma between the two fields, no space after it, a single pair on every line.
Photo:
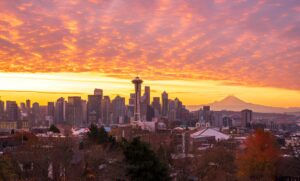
[197,50]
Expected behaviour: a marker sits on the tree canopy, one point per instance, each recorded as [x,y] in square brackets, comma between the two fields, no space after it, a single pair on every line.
[98,135]
[54,129]
[142,163]
[259,159]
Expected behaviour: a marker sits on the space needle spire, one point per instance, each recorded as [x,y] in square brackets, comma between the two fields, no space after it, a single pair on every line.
[137,106]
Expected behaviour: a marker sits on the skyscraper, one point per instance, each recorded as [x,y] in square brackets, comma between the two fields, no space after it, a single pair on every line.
[171,110]
[28,106]
[98,92]
[165,104]
[74,111]
[94,109]
[36,114]
[178,108]
[118,110]
[106,110]
[137,108]
[156,106]
[60,111]
[84,111]
[2,113]
[246,117]
[147,95]
[150,113]
[12,110]
[51,109]
[23,107]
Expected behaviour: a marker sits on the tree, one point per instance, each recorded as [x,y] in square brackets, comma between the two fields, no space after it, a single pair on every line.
[102,135]
[259,159]
[142,163]
[216,163]
[6,169]
[98,135]
[54,129]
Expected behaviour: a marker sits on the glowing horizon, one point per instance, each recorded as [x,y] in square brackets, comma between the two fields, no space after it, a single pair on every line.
[20,86]
[198,51]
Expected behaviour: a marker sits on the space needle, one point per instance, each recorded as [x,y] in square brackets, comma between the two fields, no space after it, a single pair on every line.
[137,108]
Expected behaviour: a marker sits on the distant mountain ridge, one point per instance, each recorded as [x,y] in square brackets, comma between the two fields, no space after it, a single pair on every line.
[232,103]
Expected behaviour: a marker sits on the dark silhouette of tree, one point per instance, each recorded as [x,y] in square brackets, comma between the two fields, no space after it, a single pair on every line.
[6,169]
[98,135]
[102,135]
[142,163]
[93,133]
[54,129]
[259,159]
[216,163]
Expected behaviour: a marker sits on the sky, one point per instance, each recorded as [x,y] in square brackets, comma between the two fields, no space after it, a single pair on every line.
[197,50]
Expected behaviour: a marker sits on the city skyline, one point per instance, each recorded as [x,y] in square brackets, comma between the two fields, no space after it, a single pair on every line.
[199,51]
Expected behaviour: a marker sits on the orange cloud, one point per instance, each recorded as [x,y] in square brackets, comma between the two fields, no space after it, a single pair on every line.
[247,43]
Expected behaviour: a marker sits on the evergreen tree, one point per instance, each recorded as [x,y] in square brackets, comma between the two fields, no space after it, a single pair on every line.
[142,162]
[54,129]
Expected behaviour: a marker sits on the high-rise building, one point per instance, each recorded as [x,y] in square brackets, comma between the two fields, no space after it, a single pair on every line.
[156,106]
[150,113]
[147,95]
[23,107]
[74,111]
[12,110]
[60,111]
[118,110]
[137,108]
[246,116]
[94,109]
[98,92]
[51,109]
[28,106]
[205,115]
[2,113]
[178,108]
[171,110]
[84,111]
[132,99]
[36,113]
[106,110]
[165,104]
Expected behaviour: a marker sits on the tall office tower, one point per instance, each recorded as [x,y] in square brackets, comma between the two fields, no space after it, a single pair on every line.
[84,111]
[178,108]
[23,107]
[106,110]
[206,114]
[74,111]
[150,113]
[2,113]
[94,109]
[147,95]
[98,92]
[156,106]
[171,110]
[12,111]
[36,113]
[132,99]
[137,108]
[246,117]
[143,108]
[28,106]
[60,111]
[130,107]
[118,110]
[51,109]
[165,104]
